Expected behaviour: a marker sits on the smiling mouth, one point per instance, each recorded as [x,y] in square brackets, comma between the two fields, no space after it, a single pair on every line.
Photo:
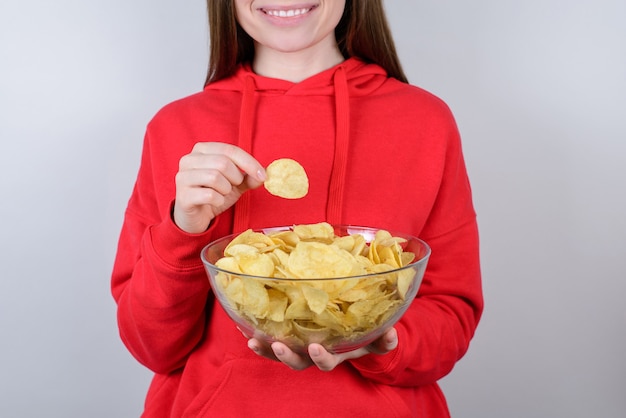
[288,12]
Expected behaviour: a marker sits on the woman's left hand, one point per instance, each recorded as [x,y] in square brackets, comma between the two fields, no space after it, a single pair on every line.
[318,356]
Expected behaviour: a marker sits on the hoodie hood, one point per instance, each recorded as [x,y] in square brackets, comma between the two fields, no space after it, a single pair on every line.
[362,79]
[351,78]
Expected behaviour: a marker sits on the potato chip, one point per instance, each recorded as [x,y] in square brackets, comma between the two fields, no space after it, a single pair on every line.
[278,305]
[233,289]
[286,178]
[321,232]
[252,238]
[312,331]
[299,310]
[315,260]
[405,278]
[352,295]
[228,264]
[332,318]
[282,330]
[286,240]
[239,249]
[255,264]
[316,299]
[255,297]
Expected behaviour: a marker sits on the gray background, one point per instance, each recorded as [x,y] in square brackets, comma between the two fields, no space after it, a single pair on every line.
[539,91]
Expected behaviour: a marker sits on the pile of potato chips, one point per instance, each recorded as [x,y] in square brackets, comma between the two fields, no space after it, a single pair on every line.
[358,285]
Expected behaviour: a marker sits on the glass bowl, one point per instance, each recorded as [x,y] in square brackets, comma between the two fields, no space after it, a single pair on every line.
[340,313]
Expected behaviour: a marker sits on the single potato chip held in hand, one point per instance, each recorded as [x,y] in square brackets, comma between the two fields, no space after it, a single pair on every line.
[286,178]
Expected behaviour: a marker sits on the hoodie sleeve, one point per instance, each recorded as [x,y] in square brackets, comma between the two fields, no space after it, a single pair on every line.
[436,330]
[158,279]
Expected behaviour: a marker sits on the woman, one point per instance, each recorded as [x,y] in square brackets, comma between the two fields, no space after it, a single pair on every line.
[318,82]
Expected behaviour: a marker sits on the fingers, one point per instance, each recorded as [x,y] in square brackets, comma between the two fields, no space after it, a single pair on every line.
[386,343]
[221,166]
[290,358]
[210,170]
[210,179]
[240,159]
[324,360]
[199,187]
[279,352]
[261,349]
[319,356]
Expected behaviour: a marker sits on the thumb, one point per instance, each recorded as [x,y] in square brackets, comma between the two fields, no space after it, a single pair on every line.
[388,342]
[251,182]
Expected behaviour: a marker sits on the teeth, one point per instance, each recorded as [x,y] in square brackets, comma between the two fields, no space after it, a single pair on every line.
[287,13]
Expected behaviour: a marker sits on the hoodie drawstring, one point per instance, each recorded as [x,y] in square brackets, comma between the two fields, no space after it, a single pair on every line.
[334,206]
[246,122]
[342,136]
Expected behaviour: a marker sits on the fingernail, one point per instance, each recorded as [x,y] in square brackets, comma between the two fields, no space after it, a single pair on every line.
[260,175]
[252,346]
[279,351]
[314,351]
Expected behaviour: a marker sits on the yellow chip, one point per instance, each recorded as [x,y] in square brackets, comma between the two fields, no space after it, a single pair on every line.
[405,278]
[256,264]
[317,260]
[312,331]
[255,297]
[278,305]
[251,238]
[286,178]
[317,299]
[321,232]
[299,310]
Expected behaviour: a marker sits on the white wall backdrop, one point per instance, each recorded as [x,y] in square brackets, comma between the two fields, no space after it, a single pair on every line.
[539,91]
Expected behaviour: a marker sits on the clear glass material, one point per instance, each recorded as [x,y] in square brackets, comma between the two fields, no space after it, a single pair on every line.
[337,324]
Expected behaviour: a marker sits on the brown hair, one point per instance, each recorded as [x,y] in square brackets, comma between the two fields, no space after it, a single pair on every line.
[362,32]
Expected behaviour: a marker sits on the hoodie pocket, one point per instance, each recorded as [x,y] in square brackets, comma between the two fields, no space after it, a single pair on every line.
[262,388]
[201,404]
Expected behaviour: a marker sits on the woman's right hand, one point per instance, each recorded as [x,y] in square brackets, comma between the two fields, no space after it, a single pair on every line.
[210,180]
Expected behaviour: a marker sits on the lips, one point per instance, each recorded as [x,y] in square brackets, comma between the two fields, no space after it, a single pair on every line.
[287,13]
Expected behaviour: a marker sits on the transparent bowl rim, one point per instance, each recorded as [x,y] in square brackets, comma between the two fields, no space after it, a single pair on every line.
[414,264]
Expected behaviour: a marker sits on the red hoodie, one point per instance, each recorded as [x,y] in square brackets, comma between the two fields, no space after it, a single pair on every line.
[378,153]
